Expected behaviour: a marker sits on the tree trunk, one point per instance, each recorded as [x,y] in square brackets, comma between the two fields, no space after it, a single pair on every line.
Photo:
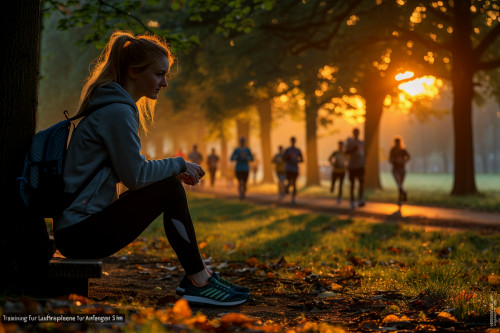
[462,73]
[374,108]
[223,156]
[464,181]
[312,141]
[495,149]
[23,237]
[265,116]
[242,130]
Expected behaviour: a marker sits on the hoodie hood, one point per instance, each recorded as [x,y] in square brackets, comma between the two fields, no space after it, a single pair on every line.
[110,93]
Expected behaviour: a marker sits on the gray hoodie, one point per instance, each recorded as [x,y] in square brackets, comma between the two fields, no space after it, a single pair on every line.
[109,133]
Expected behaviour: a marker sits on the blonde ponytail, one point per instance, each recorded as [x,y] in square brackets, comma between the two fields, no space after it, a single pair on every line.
[122,52]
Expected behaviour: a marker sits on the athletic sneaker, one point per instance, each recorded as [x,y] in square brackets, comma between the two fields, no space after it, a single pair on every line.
[211,293]
[182,286]
[238,289]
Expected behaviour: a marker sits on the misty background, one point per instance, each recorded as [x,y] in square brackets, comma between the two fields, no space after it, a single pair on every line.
[65,65]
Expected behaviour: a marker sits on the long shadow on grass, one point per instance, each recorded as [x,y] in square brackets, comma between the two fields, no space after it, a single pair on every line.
[210,210]
[299,240]
[377,235]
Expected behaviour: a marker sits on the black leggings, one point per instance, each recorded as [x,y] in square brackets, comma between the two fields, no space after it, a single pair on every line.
[110,230]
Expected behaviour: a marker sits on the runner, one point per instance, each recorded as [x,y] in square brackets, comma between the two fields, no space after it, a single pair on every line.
[242,155]
[293,156]
[337,160]
[398,157]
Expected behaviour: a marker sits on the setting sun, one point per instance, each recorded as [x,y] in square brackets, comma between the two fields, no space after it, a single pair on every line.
[427,86]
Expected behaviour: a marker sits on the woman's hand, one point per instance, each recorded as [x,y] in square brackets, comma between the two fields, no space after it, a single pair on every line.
[192,175]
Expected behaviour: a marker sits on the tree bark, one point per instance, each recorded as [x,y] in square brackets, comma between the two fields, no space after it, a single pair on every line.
[23,239]
[462,74]
[374,109]
[464,181]
[312,141]
[265,117]
[18,90]
[223,158]
[242,130]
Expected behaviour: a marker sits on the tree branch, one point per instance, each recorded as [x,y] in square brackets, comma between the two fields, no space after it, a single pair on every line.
[487,65]
[122,12]
[490,37]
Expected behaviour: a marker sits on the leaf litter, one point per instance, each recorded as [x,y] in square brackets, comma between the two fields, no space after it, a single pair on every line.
[300,302]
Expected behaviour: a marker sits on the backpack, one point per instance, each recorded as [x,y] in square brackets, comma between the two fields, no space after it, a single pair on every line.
[41,185]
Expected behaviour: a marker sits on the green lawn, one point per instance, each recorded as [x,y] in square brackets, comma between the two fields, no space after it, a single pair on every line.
[390,256]
[423,189]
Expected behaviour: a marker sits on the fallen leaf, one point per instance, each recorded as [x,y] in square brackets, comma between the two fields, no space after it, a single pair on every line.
[181,309]
[336,286]
[492,330]
[202,245]
[464,296]
[494,280]
[357,261]
[425,328]
[390,319]
[253,262]
[270,275]
[395,250]
[236,319]
[347,272]
[446,317]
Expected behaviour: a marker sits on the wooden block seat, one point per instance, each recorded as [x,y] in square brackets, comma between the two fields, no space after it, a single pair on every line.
[70,276]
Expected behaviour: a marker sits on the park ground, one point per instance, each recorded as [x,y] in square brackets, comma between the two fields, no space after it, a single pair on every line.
[308,271]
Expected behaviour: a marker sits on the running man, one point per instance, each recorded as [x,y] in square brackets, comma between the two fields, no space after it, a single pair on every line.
[242,155]
[355,149]
[293,156]
[337,160]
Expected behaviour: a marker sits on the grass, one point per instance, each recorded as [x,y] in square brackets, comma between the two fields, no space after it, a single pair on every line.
[396,257]
[423,189]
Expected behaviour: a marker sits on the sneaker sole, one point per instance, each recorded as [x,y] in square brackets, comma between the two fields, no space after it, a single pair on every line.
[180,291]
[207,301]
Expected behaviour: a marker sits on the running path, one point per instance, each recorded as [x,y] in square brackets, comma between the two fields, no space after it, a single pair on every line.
[414,214]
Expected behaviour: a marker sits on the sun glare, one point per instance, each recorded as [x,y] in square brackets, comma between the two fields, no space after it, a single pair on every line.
[426,86]
[405,75]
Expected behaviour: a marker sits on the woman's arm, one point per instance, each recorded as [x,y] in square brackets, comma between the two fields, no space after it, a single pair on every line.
[118,129]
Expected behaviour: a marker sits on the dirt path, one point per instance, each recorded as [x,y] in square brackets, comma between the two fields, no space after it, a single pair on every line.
[143,281]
